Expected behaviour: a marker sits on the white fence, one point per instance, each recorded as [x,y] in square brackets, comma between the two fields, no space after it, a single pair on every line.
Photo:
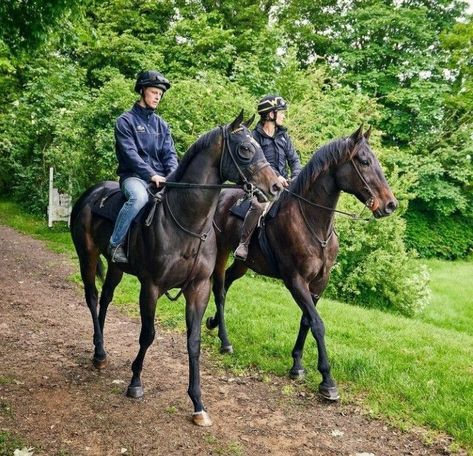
[60,204]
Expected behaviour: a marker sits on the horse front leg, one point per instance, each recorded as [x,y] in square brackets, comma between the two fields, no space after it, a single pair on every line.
[149,294]
[306,301]
[297,370]
[222,280]
[197,297]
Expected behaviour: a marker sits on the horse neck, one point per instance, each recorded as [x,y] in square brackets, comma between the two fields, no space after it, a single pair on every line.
[194,207]
[323,191]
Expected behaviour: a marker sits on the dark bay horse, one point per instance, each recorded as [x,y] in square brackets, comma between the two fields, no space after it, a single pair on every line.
[303,242]
[177,250]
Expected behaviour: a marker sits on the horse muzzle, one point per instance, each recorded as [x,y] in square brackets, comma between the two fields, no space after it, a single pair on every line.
[379,210]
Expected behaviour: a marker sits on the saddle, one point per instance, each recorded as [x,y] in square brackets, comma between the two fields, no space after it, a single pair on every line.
[239,209]
[109,203]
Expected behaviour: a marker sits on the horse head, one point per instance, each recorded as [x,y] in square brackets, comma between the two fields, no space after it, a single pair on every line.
[243,160]
[362,176]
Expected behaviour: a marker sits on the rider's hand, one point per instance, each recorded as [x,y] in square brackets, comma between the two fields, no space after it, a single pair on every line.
[283,181]
[157,179]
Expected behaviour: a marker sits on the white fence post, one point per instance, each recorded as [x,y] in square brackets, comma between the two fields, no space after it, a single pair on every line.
[60,204]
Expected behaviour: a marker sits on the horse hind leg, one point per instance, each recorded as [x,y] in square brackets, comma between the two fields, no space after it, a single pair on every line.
[112,279]
[88,270]
[222,282]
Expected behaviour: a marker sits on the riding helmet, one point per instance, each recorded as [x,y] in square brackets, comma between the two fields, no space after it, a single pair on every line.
[151,78]
[271,103]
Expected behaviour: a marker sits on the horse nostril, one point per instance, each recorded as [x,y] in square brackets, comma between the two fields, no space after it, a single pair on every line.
[391,206]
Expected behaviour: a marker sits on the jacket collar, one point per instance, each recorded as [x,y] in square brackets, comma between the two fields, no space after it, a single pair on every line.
[279,130]
[145,113]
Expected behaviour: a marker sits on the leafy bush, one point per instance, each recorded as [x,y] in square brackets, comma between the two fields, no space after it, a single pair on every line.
[373,268]
[439,237]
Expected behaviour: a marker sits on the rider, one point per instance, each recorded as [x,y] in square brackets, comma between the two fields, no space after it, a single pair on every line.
[145,153]
[278,150]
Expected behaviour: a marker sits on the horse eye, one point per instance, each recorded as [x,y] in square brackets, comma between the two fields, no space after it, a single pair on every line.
[245,152]
[364,162]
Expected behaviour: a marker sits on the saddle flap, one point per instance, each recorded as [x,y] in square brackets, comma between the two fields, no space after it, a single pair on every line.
[240,208]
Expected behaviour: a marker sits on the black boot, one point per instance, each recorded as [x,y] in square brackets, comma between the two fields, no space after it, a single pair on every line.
[117,253]
[249,225]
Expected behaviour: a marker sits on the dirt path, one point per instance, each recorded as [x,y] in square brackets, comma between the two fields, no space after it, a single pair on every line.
[53,399]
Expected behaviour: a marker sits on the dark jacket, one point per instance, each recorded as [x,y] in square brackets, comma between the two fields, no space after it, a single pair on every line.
[278,150]
[143,145]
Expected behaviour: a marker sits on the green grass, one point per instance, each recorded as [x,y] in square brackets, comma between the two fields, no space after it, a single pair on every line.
[412,371]
[452,300]
[9,443]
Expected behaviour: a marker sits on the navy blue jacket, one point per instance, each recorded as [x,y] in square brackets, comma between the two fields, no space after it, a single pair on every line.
[278,150]
[143,145]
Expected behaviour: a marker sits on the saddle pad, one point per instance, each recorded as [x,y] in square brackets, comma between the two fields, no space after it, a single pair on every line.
[240,208]
[109,204]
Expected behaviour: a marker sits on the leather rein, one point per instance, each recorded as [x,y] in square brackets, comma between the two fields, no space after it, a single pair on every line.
[247,187]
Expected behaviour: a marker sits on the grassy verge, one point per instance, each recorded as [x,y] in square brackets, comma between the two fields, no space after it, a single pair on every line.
[413,371]
[9,443]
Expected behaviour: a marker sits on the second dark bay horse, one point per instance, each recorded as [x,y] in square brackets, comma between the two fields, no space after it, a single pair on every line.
[302,239]
[177,250]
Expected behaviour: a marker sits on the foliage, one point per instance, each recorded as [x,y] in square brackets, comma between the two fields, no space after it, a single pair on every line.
[415,60]
[374,269]
[450,237]
[83,150]
[63,99]
[55,85]
[194,106]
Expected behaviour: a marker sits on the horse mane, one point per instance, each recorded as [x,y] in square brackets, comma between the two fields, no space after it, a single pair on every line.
[328,155]
[202,143]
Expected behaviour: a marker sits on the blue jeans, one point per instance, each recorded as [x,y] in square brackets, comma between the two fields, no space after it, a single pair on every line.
[135,191]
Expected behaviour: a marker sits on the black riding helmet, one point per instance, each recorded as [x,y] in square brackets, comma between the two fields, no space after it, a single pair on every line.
[151,78]
[271,103]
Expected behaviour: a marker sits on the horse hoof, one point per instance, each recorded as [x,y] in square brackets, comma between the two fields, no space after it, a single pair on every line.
[201,419]
[135,392]
[226,349]
[100,363]
[297,374]
[211,323]
[330,393]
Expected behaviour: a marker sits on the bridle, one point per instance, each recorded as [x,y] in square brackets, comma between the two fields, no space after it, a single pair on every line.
[352,216]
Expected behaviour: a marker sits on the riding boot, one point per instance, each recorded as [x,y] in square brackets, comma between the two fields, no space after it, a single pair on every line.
[117,254]
[247,229]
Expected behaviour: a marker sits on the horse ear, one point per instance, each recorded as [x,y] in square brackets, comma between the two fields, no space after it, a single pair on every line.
[237,122]
[358,134]
[248,123]
[367,134]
